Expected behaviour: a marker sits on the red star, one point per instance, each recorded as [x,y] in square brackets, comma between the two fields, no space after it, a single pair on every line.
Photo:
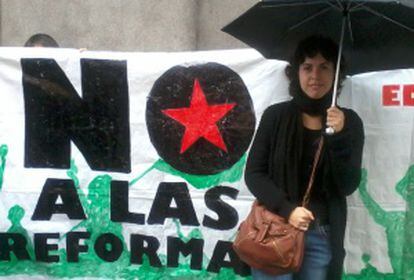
[200,119]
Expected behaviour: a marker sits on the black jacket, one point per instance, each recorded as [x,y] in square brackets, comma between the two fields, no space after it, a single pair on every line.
[275,184]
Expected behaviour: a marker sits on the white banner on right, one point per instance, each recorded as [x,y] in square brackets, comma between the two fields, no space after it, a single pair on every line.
[380,237]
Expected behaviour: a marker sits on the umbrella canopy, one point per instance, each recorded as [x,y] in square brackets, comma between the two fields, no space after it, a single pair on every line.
[378,35]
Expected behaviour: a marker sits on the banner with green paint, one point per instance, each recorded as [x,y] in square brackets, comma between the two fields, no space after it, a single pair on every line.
[130,165]
[380,215]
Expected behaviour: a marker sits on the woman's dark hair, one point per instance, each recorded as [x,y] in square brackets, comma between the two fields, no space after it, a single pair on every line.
[41,39]
[310,47]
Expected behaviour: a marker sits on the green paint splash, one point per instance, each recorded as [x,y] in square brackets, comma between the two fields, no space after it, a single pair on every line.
[398,228]
[72,173]
[408,251]
[370,272]
[134,181]
[392,221]
[231,175]
[3,154]
[97,209]
[195,233]
[15,216]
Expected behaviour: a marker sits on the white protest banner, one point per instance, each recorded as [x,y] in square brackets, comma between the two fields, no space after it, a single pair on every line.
[104,173]
[130,165]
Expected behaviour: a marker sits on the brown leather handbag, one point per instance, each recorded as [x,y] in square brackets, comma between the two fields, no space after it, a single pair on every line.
[266,241]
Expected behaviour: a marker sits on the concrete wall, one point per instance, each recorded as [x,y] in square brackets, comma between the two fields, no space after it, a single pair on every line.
[123,25]
[213,15]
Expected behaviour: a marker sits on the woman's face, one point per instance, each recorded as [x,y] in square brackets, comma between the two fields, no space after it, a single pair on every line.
[316,76]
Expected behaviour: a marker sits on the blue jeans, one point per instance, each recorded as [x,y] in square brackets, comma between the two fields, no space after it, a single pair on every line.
[315,261]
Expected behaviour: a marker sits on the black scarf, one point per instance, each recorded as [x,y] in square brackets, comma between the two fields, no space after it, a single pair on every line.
[312,106]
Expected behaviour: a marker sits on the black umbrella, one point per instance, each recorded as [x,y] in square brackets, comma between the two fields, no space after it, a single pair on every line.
[373,35]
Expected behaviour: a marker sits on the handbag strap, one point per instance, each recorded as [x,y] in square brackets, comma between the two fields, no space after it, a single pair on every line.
[306,197]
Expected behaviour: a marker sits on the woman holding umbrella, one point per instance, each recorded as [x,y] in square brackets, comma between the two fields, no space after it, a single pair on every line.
[280,160]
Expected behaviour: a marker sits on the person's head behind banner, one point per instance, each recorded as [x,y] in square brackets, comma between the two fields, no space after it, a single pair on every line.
[41,40]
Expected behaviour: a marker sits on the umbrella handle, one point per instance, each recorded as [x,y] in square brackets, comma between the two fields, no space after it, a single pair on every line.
[329,130]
